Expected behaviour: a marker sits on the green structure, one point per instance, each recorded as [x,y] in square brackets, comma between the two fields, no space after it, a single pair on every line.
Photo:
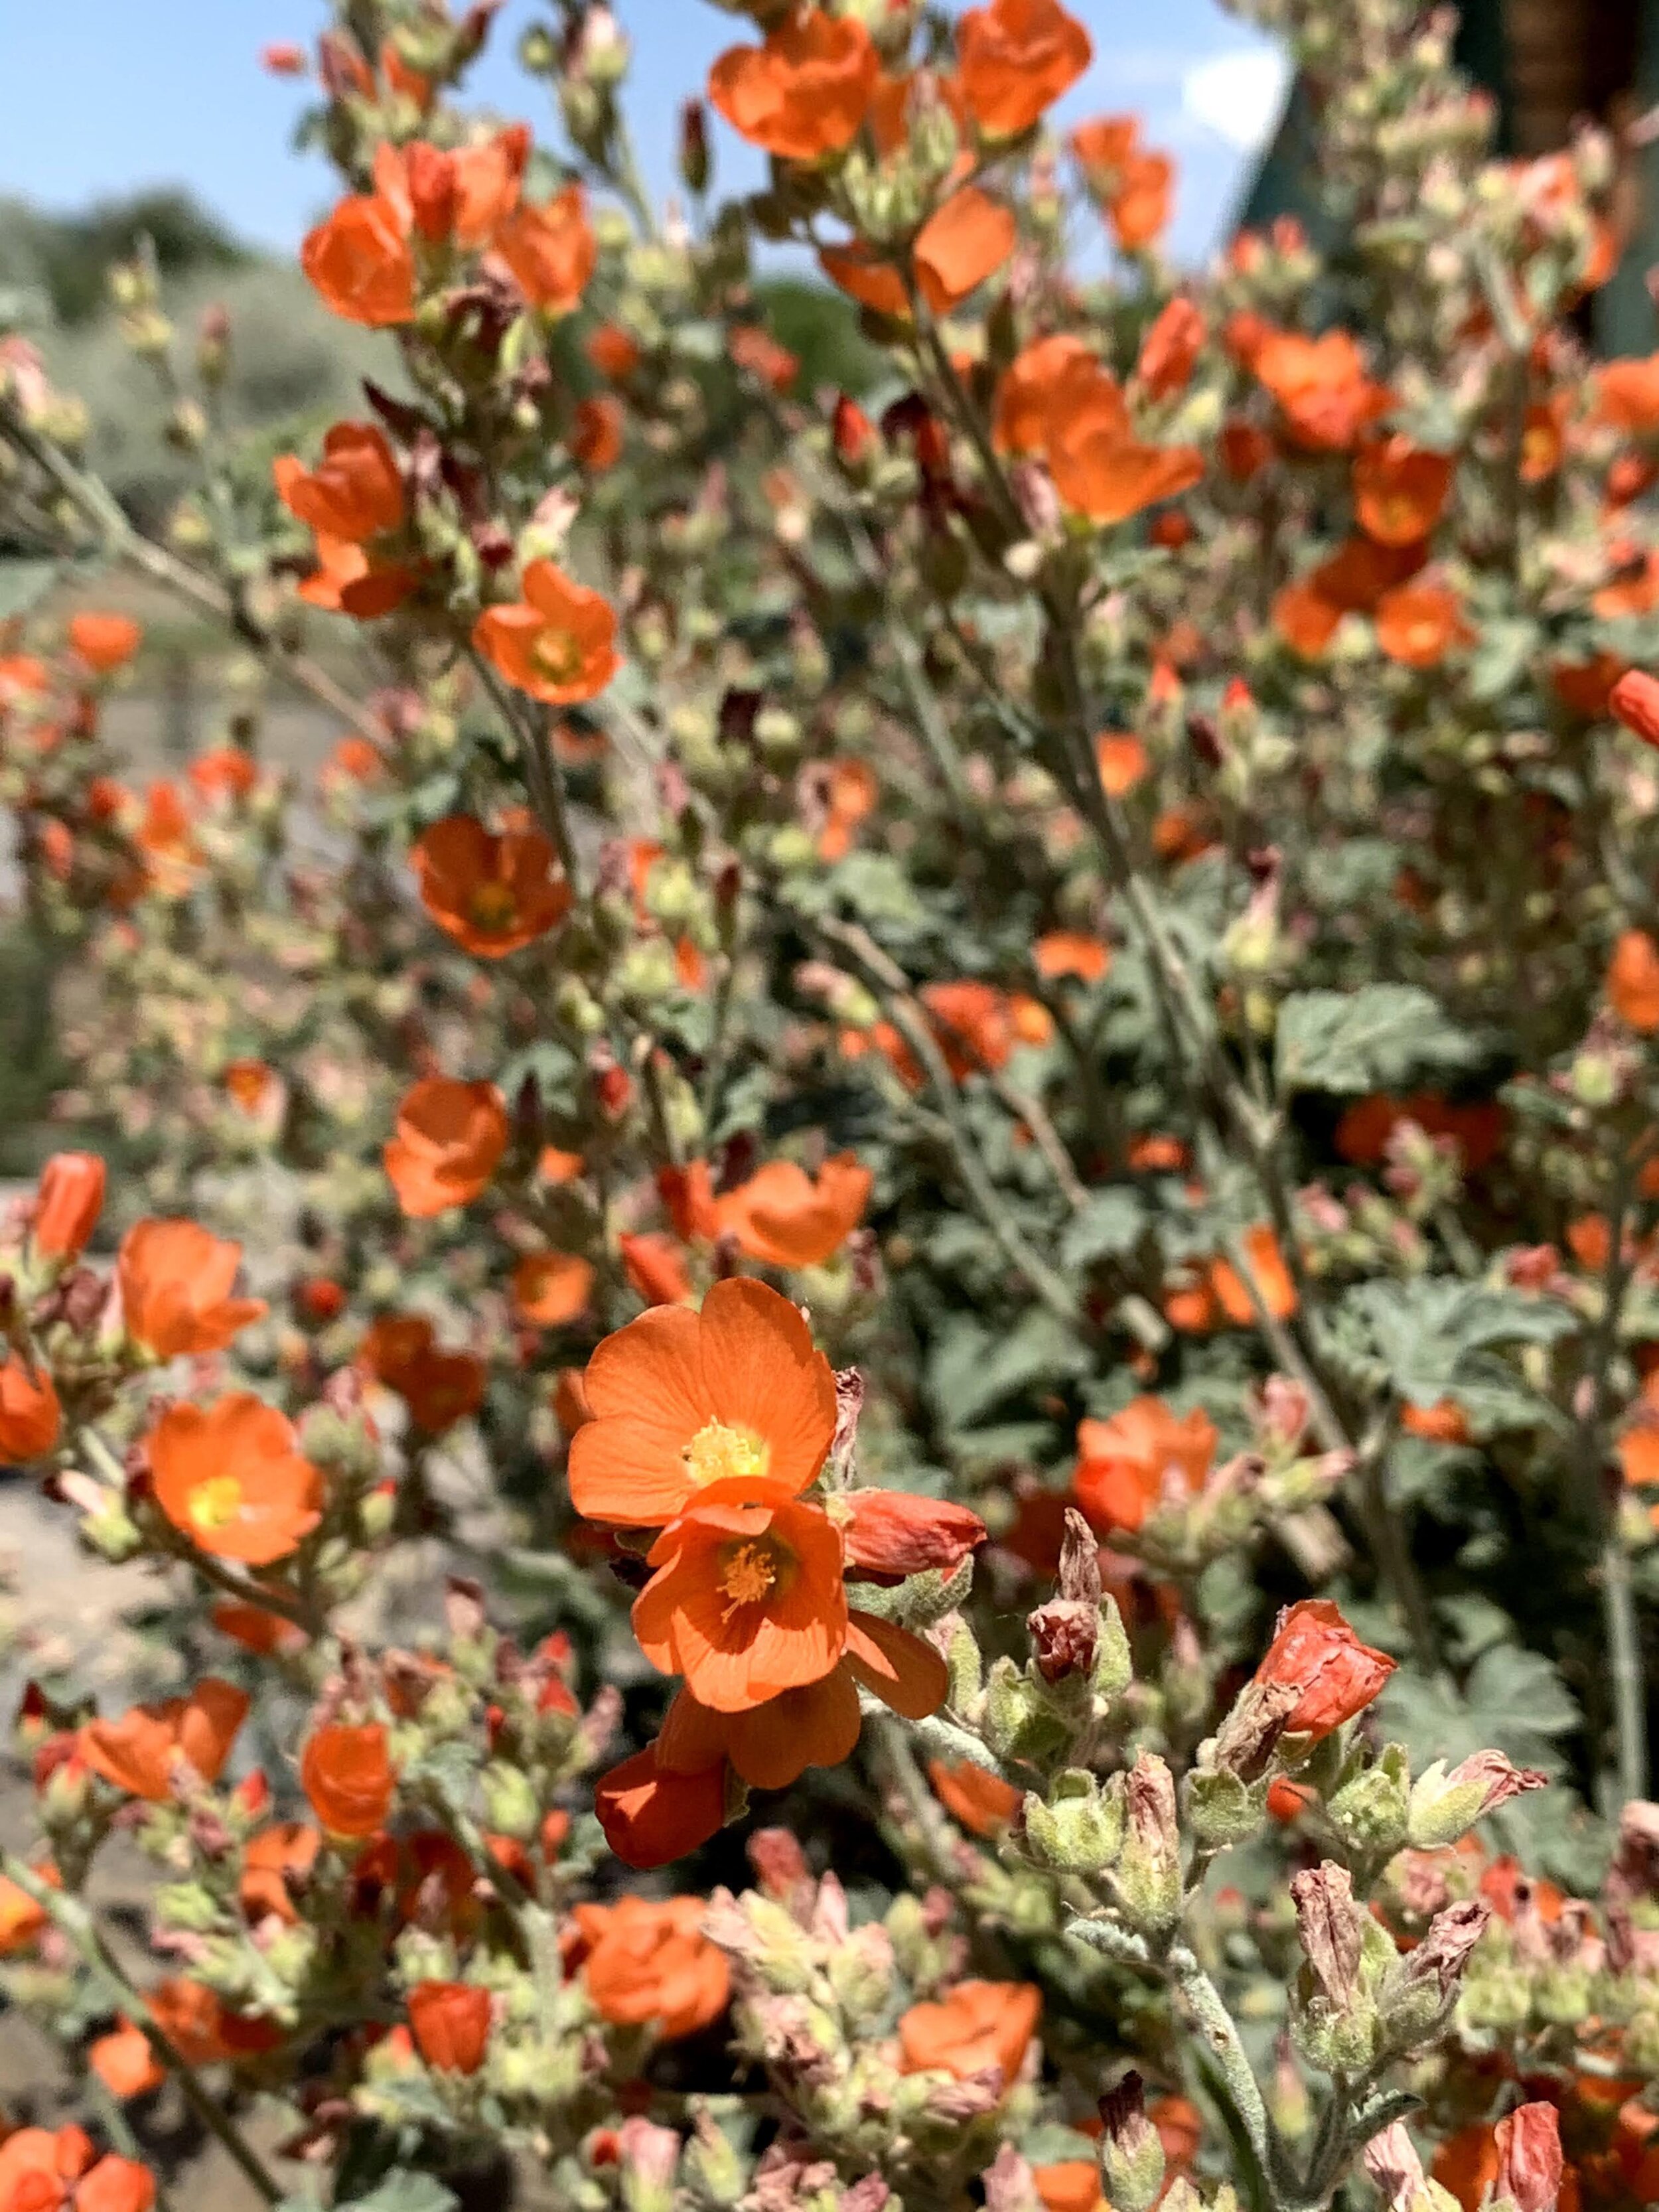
[1546,64]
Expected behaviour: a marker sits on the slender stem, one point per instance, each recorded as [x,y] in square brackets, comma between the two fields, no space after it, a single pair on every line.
[75,1923]
[1617,1594]
[1221,2033]
[122,541]
[543,776]
[909,1019]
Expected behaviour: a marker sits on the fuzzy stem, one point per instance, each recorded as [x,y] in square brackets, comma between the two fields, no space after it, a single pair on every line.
[75,1923]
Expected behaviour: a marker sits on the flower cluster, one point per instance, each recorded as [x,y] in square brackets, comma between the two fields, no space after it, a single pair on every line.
[945,1106]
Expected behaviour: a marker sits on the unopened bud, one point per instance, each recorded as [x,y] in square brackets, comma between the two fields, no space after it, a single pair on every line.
[1530,2164]
[1148,1877]
[1079,1828]
[648,2156]
[694,159]
[1132,2161]
[1444,1807]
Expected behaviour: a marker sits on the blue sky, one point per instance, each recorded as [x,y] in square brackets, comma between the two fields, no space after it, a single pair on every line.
[104,96]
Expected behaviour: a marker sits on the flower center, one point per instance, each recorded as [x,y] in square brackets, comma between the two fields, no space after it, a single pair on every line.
[557,654]
[748,1574]
[492,906]
[217,1504]
[718,1453]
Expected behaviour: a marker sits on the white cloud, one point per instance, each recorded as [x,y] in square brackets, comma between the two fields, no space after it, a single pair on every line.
[1238,95]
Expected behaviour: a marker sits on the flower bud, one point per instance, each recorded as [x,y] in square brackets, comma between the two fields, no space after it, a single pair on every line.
[1423,1987]
[1081,1827]
[1221,1810]
[648,2156]
[1020,1722]
[69,1201]
[1529,2165]
[694,157]
[1370,1812]
[1132,2161]
[1444,1807]
[1333,2019]
[712,2172]
[509,1802]
[1148,1877]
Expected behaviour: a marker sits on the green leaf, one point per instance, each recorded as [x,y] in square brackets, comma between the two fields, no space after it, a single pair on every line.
[974,1368]
[1441,1334]
[23,584]
[1352,1041]
[1513,1701]
[1111,1225]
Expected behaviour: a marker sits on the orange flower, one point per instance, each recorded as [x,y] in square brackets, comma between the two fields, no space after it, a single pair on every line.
[347,582]
[223,773]
[656,1268]
[230,1476]
[104,643]
[1442,1423]
[653,1815]
[1170,348]
[356,491]
[449,1139]
[1138,207]
[1634,700]
[1102,146]
[41,2171]
[681,1401]
[274,1862]
[1071,2184]
[1015,58]
[1122,763]
[348,1777]
[450,2022]
[804,94]
[1322,387]
[1632,981]
[151,1748]
[850,799]
[125,2063]
[647,1959]
[980,2027]
[958,248]
[613,352]
[1466,2164]
[1399,489]
[493,893]
[758,352]
[672,1796]
[977,1800]
[360,264]
[558,643]
[175,1281]
[22,1918]
[1270,1280]
[1070,953]
[439,1388]
[1033,384]
[1099,468]
[784,1217]
[552,1289]
[974,1026]
[890,1534]
[1304,618]
[1627,395]
[1316,1653]
[747,1599]
[874,284]
[597,431]
[30,1417]
[1127,1465]
[551,251]
[200,2028]
[1418,624]
[461,196]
